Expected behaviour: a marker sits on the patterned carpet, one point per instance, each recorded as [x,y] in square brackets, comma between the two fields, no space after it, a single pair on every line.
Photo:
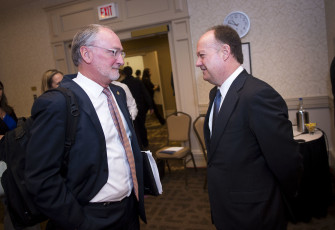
[187,208]
[179,207]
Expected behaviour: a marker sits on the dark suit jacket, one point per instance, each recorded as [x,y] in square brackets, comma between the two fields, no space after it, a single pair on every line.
[63,200]
[252,157]
[140,94]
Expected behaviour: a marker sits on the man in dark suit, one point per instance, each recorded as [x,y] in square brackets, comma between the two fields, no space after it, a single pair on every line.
[253,160]
[102,189]
[143,102]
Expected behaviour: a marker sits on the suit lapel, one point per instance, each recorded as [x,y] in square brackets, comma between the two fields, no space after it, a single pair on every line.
[83,99]
[227,108]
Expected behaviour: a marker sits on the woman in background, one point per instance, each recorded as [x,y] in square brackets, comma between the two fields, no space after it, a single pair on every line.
[8,118]
[51,79]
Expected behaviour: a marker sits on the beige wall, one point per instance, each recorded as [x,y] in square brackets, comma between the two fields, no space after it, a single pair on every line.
[287,40]
[25,51]
[330,22]
[288,45]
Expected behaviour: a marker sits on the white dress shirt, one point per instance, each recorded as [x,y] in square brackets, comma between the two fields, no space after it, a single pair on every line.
[119,183]
[131,103]
[223,90]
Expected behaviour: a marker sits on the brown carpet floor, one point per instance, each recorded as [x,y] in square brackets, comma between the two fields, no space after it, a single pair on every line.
[187,208]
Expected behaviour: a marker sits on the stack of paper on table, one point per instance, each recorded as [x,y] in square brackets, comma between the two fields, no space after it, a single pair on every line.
[171,150]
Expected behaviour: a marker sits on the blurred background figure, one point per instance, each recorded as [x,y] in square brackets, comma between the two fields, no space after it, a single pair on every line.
[8,118]
[332,79]
[51,79]
[8,121]
[146,79]
[138,74]
[143,102]
[131,103]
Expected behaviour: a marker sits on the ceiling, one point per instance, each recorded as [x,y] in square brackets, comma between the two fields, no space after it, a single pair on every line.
[7,4]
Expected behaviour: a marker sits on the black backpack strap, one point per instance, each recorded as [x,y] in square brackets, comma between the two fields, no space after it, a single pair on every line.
[71,124]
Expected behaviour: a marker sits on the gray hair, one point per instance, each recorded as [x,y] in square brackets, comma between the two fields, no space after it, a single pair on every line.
[85,37]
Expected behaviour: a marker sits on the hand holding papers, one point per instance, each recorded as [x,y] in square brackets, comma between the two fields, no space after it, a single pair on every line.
[152,182]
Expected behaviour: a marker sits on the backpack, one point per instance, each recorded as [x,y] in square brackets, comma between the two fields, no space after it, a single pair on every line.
[19,202]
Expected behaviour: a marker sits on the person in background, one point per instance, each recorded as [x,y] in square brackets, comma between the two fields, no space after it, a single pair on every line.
[332,80]
[8,121]
[138,74]
[131,103]
[51,79]
[143,102]
[146,79]
[103,187]
[253,161]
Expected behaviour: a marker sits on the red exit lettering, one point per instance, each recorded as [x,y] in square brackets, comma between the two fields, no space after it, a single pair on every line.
[106,11]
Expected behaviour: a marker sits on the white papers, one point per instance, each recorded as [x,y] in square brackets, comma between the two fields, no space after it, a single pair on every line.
[171,150]
[174,148]
[155,171]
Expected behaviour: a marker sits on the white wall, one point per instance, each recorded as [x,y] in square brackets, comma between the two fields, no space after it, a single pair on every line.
[136,62]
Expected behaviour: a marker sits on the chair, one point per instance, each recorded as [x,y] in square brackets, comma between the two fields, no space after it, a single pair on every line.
[198,127]
[178,127]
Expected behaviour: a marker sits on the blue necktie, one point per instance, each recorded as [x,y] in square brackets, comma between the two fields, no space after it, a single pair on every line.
[217,102]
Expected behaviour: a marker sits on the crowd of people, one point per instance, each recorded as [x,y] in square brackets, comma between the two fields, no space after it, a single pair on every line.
[250,173]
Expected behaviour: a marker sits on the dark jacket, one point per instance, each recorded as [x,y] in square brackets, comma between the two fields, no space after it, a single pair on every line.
[63,200]
[140,94]
[252,157]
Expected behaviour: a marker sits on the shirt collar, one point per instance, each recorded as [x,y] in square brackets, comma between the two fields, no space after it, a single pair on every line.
[88,85]
[226,85]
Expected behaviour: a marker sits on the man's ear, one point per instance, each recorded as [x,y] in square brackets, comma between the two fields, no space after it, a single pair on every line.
[86,54]
[225,51]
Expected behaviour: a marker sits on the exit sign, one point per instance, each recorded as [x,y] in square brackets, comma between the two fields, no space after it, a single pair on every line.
[107,11]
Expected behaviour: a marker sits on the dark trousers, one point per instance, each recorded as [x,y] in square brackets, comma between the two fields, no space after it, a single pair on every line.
[141,130]
[157,114]
[120,215]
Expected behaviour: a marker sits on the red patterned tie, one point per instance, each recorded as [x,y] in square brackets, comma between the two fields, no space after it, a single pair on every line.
[123,136]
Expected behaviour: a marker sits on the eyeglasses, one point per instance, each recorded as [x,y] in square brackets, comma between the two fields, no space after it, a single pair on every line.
[115,52]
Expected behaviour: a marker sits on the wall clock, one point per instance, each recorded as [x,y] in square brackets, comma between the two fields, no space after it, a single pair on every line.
[238,21]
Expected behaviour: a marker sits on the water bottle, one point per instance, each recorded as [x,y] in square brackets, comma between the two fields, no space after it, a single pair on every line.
[302,117]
